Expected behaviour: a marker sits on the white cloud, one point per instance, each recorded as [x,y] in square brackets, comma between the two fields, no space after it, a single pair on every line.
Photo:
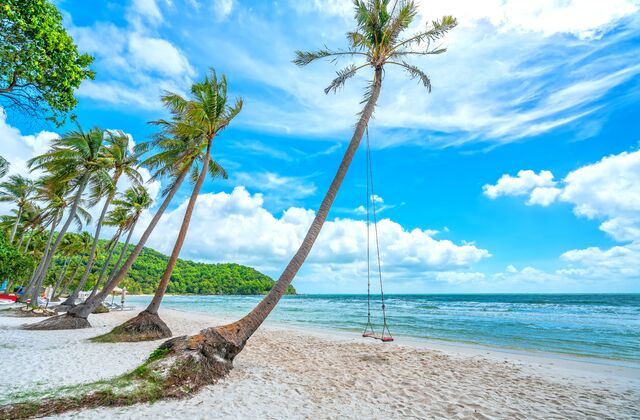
[543,196]
[158,55]
[608,189]
[525,71]
[144,11]
[610,264]
[522,184]
[18,148]
[236,227]
[584,19]
[133,64]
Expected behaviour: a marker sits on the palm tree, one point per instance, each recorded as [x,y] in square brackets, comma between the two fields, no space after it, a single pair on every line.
[199,120]
[173,156]
[78,247]
[125,216]
[76,160]
[123,162]
[378,41]
[70,246]
[18,190]
[56,191]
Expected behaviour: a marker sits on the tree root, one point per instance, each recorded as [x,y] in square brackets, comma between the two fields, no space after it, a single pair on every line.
[59,322]
[176,369]
[144,327]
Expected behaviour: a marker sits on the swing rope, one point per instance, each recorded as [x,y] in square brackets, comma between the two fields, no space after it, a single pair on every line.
[371,197]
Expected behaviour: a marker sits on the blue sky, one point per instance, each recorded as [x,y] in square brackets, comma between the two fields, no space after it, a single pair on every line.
[520,172]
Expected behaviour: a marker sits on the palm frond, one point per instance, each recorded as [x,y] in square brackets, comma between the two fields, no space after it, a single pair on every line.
[342,77]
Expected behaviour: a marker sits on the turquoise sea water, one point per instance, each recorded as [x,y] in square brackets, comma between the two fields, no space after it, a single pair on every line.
[592,325]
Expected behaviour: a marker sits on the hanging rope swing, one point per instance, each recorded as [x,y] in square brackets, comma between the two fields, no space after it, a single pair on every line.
[385,336]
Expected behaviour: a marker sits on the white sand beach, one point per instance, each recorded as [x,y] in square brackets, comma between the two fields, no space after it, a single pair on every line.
[297,373]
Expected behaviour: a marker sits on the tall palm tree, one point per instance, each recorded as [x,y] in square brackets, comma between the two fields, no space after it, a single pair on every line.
[378,41]
[18,190]
[75,161]
[199,120]
[125,216]
[173,155]
[122,161]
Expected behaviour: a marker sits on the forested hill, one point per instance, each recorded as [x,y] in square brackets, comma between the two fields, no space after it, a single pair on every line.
[188,277]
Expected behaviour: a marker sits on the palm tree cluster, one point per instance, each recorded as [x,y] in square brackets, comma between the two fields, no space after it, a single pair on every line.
[182,149]
[81,169]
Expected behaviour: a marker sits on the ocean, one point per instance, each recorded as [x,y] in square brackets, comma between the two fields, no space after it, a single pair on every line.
[605,326]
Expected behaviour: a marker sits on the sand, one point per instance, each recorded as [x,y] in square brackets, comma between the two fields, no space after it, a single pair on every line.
[287,372]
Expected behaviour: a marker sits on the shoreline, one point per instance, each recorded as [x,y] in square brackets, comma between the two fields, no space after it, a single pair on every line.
[428,341]
[296,372]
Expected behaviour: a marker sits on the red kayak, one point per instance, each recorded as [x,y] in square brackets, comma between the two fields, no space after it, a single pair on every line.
[11,297]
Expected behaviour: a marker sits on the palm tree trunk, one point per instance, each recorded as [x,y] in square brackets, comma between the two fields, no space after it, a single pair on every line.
[166,276]
[60,278]
[72,214]
[84,309]
[71,300]
[123,252]
[240,331]
[112,248]
[36,272]
[15,225]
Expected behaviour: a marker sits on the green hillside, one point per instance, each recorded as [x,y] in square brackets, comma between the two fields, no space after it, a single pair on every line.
[188,277]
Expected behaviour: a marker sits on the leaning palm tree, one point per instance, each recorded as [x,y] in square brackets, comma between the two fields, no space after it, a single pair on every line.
[125,216]
[119,158]
[377,40]
[199,120]
[172,156]
[185,364]
[74,162]
[19,191]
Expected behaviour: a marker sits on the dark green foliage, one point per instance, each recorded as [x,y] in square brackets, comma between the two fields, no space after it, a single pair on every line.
[40,66]
[14,264]
[188,277]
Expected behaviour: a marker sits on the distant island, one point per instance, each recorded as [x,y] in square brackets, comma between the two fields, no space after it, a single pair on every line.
[188,277]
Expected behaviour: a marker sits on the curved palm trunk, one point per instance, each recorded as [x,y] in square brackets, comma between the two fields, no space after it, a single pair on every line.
[15,225]
[166,276]
[72,214]
[71,300]
[112,248]
[240,331]
[36,272]
[123,252]
[84,309]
